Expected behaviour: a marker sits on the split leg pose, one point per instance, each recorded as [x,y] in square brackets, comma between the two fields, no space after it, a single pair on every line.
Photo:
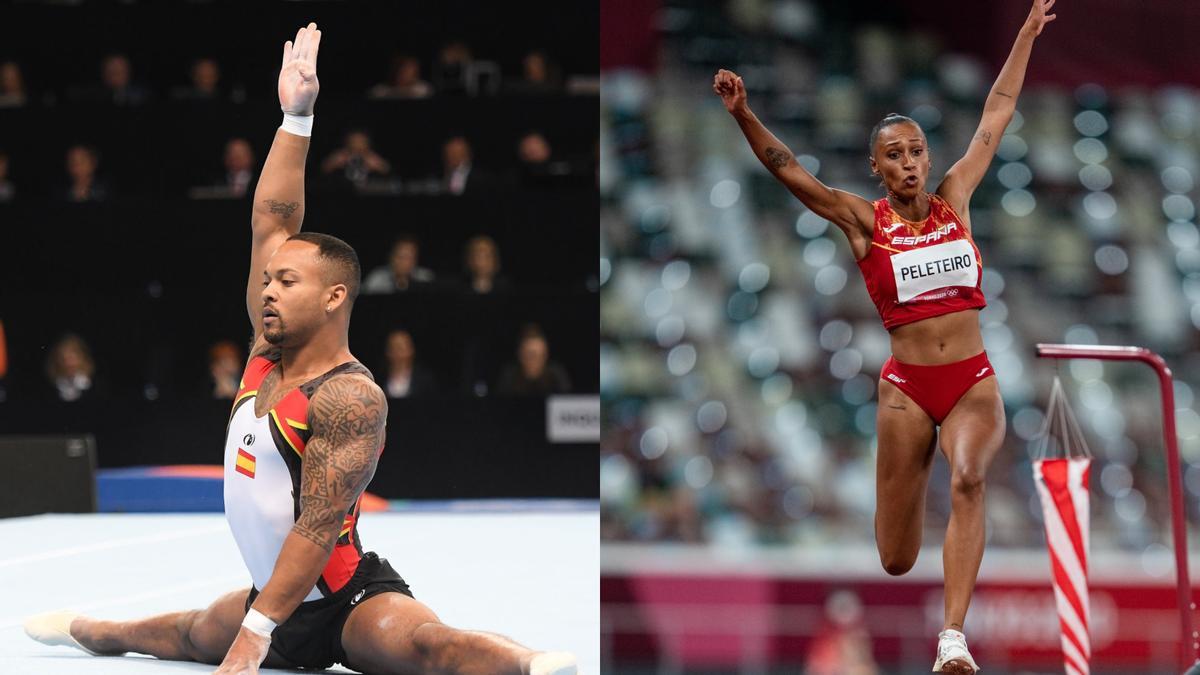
[304,436]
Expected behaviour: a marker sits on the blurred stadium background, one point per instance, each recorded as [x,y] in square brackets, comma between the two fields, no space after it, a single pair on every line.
[739,348]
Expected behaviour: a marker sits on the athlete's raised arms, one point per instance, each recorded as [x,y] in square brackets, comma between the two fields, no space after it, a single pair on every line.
[853,214]
[962,178]
[279,196]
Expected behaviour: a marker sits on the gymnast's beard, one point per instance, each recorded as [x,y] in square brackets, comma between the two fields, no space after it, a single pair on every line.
[277,334]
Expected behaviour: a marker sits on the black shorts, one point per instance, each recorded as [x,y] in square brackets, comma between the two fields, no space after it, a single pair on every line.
[312,636]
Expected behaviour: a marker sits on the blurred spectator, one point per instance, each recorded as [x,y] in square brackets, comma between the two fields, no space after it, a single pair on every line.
[7,190]
[225,369]
[536,163]
[404,80]
[204,84]
[402,273]
[356,160]
[236,177]
[239,166]
[12,85]
[117,85]
[70,370]
[459,174]
[538,75]
[406,377]
[81,169]
[533,373]
[482,262]
[452,68]
[533,149]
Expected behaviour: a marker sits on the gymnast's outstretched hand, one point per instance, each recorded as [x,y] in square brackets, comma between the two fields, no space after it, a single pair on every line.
[298,85]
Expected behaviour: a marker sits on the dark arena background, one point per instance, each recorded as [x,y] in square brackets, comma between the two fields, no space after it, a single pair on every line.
[740,350]
[171,107]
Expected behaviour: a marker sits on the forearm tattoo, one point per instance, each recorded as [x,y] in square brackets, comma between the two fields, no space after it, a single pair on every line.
[777,158]
[347,416]
[285,209]
[985,136]
[1000,93]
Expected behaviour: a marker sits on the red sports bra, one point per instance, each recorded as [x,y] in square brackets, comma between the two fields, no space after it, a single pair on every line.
[916,271]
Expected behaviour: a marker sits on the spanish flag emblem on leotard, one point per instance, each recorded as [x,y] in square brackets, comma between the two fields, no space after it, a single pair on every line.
[245,463]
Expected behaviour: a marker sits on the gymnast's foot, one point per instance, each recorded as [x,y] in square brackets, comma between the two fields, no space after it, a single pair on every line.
[953,656]
[553,663]
[55,628]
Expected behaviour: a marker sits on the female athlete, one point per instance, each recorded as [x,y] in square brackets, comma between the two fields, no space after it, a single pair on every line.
[923,271]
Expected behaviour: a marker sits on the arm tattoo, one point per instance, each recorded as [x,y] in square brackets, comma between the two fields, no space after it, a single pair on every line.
[777,158]
[1000,93]
[347,417]
[985,136]
[285,209]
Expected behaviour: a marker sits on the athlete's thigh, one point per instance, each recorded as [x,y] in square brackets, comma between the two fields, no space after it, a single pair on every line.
[377,636]
[906,437]
[216,626]
[974,430]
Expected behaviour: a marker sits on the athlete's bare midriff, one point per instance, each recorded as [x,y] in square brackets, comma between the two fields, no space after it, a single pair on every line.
[938,340]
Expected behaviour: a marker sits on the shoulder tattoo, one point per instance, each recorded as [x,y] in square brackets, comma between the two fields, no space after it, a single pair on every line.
[347,416]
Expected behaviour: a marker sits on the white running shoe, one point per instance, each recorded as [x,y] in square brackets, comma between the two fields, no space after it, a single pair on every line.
[54,628]
[952,655]
[554,663]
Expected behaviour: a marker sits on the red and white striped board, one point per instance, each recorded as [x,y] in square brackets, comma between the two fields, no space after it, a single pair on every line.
[1062,485]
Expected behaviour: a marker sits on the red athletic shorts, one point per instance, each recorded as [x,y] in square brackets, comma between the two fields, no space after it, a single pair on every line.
[937,388]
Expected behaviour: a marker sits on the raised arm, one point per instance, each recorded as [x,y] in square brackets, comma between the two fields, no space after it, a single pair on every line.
[962,178]
[347,416]
[279,196]
[853,214]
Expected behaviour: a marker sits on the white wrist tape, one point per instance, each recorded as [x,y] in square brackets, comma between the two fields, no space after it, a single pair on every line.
[300,125]
[258,623]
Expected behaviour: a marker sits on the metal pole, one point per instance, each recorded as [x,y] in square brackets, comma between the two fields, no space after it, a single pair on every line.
[1174,473]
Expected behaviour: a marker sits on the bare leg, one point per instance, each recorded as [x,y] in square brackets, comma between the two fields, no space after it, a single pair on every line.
[971,436]
[392,634]
[906,442]
[196,635]
[450,650]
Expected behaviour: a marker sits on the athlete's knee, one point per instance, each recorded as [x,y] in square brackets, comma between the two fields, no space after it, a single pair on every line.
[189,634]
[436,646]
[967,482]
[896,560]
[897,565]
[200,640]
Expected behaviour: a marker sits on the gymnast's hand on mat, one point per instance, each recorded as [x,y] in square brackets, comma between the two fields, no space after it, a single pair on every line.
[1038,18]
[730,88]
[298,84]
[245,654]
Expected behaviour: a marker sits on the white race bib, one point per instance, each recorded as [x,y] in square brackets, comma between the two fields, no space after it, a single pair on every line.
[926,269]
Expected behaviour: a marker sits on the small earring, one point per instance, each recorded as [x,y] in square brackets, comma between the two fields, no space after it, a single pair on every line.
[328,309]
